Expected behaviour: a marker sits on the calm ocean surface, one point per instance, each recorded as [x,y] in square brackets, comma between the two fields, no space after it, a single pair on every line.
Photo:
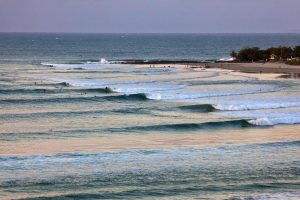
[18,47]
[75,125]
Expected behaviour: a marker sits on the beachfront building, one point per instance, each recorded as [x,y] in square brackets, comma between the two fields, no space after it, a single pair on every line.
[273,57]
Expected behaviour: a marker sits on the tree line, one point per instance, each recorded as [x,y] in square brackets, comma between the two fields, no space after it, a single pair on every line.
[256,54]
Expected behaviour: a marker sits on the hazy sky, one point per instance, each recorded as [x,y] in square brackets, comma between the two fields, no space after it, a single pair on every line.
[158,16]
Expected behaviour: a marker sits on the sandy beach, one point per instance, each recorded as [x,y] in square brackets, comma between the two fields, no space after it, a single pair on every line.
[258,67]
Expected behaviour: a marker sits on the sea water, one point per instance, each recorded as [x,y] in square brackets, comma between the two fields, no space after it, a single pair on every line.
[76,126]
[84,48]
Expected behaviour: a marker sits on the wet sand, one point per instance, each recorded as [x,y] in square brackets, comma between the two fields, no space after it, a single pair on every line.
[257,67]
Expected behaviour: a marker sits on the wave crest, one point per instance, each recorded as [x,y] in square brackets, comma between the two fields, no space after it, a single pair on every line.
[188,126]
[255,106]
[78,65]
[199,108]
[261,122]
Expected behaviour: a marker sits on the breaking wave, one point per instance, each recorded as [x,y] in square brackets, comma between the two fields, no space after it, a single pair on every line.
[261,122]
[132,97]
[228,59]
[54,91]
[136,97]
[255,106]
[199,108]
[78,65]
[189,126]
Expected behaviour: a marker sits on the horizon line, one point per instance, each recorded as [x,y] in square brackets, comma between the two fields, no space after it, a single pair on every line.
[53,32]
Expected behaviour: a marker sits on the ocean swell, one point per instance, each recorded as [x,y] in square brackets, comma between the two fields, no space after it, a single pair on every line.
[84,65]
[189,126]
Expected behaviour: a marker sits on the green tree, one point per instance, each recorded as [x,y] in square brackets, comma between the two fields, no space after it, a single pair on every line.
[233,54]
[297,51]
[249,54]
[255,54]
[285,52]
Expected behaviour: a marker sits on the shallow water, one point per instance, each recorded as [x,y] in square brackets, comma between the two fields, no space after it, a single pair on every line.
[135,132]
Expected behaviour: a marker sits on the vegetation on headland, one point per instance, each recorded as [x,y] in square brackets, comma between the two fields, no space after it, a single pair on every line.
[275,54]
[293,62]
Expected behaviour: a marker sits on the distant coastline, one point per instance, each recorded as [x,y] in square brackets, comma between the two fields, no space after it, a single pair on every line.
[247,67]
[288,55]
[249,60]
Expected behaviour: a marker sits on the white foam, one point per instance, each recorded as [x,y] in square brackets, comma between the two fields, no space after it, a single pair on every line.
[104,61]
[275,116]
[261,122]
[129,89]
[230,107]
[274,196]
[227,59]
[84,65]
[192,95]
[154,96]
[87,84]
[255,106]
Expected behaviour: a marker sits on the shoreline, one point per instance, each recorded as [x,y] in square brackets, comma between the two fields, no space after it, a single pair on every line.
[253,67]
[258,67]
[280,68]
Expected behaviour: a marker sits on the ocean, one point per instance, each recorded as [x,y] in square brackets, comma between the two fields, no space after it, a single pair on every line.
[75,123]
[64,48]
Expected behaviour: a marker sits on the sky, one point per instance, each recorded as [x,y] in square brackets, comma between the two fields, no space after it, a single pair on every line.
[150,16]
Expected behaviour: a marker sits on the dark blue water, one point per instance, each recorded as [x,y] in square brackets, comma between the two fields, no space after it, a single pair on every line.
[37,47]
